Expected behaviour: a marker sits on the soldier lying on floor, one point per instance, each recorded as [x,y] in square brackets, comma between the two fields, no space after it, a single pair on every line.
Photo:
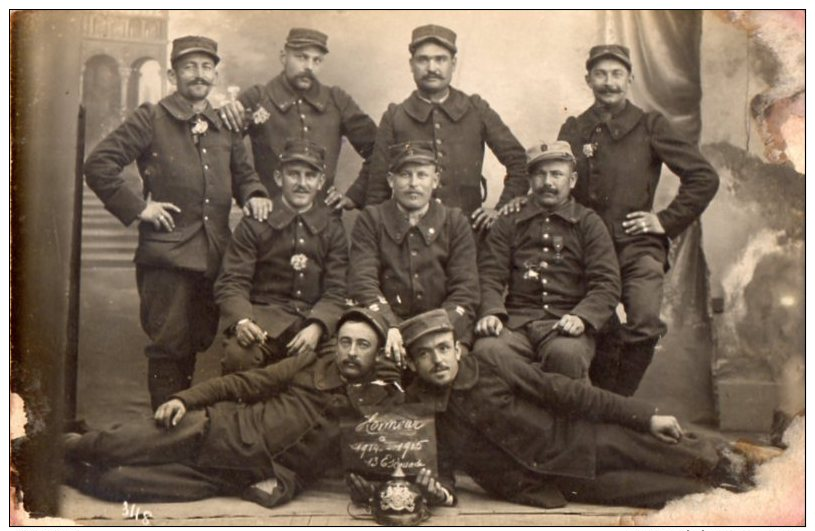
[543,439]
[263,434]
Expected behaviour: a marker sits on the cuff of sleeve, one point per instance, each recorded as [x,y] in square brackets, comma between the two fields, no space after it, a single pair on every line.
[125,205]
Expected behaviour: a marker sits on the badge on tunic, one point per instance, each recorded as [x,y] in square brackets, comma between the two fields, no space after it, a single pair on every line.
[589,150]
[261,115]
[460,310]
[299,262]
[199,127]
[374,307]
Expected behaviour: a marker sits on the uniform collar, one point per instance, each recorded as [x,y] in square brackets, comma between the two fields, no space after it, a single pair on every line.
[181,109]
[397,224]
[455,106]
[619,125]
[568,212]
[284,96]
[316,218]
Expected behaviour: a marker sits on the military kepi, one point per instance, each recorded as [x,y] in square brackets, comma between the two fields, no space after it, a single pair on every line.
[194,43]
[420,151]
[420,325]
[559,150]
[304,37]
[304,151]
[605,51]
[367,316]
[431,32]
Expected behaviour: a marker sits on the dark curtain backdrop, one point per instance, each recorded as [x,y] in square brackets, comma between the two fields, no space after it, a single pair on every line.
[665,48]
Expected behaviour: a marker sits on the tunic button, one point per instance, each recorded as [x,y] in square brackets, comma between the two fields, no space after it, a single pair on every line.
[547,220]
[415,275]
[414,253]
[545,281]
[438,126]
[301,240]
[545,265]
[545,306]
[544,293]
[298,292]
[206,200]
[301,275]
[546,236]
[299,102]
[302,116]
[206,167]
[599,129]
[438,141]
[545,249]
[203,150]
[206,218]
[305,128]
[419,296]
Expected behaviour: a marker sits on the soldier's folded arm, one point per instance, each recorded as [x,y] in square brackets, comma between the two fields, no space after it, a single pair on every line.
[234,283]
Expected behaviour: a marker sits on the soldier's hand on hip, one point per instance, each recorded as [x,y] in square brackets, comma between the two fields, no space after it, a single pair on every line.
[232,113]
[247,332]
[483,218]
[489,325]
[259,208]
[170,413]
[570,325]
[158,213]
[306,339]
[394,349]
[642,223]
[666,428]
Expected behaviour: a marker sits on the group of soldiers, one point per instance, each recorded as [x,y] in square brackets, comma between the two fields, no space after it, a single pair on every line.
[506,317]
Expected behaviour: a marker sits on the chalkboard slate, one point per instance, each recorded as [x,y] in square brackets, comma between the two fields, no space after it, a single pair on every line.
[386,437]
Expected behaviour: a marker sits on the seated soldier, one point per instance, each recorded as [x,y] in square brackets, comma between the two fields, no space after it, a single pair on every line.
[557,260]
[265,433]
[282,281]
[411,253]
[541,438]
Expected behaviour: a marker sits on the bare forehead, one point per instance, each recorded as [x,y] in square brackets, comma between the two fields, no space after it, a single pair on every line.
[433,340]
[357,330]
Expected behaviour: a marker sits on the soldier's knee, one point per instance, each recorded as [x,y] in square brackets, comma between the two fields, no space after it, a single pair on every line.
[570,358]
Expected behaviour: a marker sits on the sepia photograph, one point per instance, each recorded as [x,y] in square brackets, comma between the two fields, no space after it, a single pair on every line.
[407,267]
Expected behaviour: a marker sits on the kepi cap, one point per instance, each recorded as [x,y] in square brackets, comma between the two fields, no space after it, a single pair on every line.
[372,318]
[194,43]
[304,37]
[420,325]
[420,151]
[558,150]
[431,32]
[615,51]
[305,151]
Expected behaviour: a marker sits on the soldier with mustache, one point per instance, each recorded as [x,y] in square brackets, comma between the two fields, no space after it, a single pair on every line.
[457,124]
[191,167]
[282,284]
[620,151]
[296,105]
[555,261]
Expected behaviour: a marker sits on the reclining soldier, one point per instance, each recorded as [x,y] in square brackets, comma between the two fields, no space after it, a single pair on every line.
[539,438]
[264,434]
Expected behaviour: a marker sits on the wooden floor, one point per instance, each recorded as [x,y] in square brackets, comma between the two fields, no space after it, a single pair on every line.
[327,504]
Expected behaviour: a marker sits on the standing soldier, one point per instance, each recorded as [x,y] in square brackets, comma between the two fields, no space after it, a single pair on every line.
[296,105]
[191,166]
[458,125]
[620,150]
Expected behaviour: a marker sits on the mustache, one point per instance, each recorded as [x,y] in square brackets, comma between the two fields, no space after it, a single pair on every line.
[200,81]
[547,189]
[609,90]
[301,189]
[305,75]
[432,76]
[440,367]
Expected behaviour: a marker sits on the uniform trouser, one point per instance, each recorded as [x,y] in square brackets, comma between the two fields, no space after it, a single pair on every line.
[141,461]
[536,341]
[624,352]
[179,315]
[632,468]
